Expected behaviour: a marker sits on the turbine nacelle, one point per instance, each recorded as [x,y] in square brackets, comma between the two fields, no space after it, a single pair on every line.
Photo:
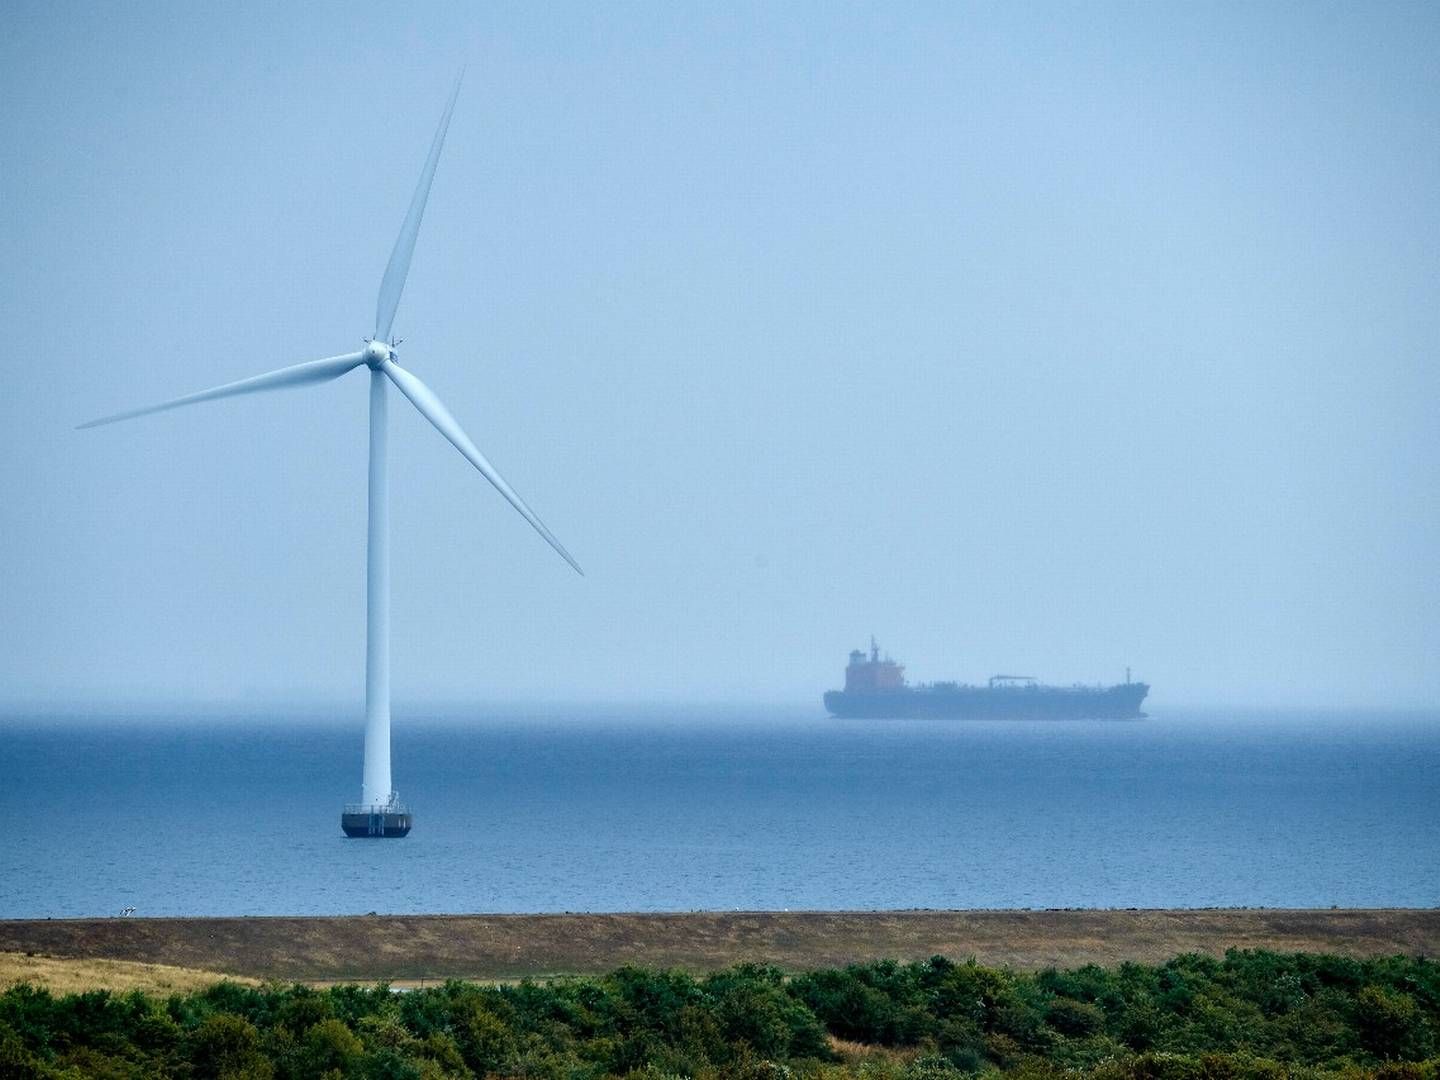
[377,353]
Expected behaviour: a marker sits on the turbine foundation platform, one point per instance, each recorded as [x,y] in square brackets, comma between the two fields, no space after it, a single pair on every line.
[392,821]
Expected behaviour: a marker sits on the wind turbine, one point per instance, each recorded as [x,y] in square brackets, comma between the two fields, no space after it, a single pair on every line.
[379,812]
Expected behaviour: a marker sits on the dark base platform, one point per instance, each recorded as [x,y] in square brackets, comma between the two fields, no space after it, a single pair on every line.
[377,823]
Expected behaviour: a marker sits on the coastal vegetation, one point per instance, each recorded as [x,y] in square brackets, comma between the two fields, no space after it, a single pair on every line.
[1251,1015]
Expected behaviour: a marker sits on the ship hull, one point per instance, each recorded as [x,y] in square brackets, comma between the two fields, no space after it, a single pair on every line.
[1119,702]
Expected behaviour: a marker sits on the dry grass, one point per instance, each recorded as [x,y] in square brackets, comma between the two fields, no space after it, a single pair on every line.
[62,976]
[854,1054]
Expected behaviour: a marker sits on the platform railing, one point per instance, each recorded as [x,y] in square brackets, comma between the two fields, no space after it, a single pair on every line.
[393,807]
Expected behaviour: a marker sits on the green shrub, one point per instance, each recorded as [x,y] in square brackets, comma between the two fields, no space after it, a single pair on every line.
[16,1060]
[225,1045]
[1391,1025]
[1074,1019]
[485,1041]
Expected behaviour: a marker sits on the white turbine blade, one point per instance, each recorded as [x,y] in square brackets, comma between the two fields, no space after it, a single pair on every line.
[398,269]
[434,410]
[313,371]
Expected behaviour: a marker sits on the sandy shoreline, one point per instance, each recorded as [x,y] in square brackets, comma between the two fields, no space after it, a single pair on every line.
[412,947]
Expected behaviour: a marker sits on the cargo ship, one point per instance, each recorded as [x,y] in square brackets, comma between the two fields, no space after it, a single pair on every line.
[875,688]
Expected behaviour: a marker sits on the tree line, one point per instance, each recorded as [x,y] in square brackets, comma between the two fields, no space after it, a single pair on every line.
[1252,1015]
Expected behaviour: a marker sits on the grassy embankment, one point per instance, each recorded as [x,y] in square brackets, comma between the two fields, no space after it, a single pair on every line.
[490,947]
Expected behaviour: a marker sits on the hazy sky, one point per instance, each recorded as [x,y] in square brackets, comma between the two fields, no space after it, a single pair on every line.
[1050,338]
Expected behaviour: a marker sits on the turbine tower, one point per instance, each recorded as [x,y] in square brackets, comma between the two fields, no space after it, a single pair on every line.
[379,812]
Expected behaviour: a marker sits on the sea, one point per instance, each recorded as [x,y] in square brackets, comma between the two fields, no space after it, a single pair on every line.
[593,809]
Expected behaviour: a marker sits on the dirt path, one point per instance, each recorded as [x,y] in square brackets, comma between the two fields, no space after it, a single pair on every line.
[406,947]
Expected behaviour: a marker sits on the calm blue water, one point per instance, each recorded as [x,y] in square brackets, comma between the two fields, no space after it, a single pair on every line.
[597,811]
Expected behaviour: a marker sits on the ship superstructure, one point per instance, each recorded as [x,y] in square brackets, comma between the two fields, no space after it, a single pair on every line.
[875,687]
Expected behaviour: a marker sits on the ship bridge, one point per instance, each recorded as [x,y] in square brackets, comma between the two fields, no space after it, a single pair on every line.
[864,675]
